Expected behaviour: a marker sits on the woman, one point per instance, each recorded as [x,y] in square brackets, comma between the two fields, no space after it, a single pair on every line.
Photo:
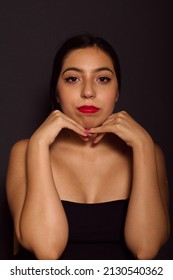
[89,183]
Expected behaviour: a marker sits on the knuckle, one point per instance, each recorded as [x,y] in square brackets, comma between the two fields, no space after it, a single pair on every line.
[57,115]
[54,112]
[118,127]
[121,115]
[124,112]
[119,119]
[59,119]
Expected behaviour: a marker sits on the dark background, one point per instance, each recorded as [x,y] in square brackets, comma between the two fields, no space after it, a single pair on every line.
[31,31]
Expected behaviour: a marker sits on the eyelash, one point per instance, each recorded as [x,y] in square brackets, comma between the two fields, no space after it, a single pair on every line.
[102,79]
[71,79]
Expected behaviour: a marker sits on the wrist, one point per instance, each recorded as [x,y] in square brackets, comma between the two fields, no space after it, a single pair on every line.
[144,143]
[37,143]
[37,140]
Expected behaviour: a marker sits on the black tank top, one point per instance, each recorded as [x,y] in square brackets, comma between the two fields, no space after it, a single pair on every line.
[96,231]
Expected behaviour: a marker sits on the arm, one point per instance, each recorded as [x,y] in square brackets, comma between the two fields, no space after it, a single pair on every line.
[147,221]
[39,219]
[31,192]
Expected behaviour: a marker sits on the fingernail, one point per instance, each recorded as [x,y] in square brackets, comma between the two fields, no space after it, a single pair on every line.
[87,131]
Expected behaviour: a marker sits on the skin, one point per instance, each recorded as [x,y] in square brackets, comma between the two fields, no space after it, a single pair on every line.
[69,148]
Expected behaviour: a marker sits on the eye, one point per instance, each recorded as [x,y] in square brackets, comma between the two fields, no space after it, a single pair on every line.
[71,79]
[104,80]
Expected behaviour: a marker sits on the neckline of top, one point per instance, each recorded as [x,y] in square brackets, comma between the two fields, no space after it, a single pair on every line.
[95,203]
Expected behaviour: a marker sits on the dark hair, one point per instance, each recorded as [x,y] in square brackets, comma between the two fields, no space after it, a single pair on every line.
[80,42]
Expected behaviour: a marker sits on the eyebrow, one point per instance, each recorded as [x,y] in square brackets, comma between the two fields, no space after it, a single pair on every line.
[80,70]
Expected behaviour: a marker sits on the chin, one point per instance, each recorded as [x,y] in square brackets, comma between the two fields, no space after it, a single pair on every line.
[91,124]
[90,121]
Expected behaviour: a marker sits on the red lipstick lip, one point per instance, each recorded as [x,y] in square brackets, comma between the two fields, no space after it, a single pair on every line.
[88,109]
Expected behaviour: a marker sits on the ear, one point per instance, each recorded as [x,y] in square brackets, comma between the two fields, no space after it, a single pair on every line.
[57,99]
[117,97]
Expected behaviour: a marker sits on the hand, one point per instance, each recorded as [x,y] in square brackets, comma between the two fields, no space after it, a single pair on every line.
[124,126]
[52,126]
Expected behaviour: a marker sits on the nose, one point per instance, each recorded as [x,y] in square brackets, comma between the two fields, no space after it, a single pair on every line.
[88,90]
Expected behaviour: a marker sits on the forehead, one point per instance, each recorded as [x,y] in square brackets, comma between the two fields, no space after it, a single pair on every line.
[90,56]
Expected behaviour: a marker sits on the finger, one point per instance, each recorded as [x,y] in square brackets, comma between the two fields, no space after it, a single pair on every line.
[76,128]
[67,122]
[98,138]
[118,117]
[62,116]
[84,138]
[102,128]
[75,124]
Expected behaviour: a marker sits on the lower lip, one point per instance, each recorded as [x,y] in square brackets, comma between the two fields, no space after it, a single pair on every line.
[88,110]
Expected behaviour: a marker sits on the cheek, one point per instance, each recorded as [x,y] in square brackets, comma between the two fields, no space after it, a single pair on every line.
[66,102]
[61,94]
[110,99]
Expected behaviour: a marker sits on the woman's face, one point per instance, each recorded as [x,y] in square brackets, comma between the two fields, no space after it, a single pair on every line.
[87,86]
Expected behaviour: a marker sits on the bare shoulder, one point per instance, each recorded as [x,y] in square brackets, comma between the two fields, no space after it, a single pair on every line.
[160,159]
[162,173]
[159,151]
[17,159]
[19,147]
[16,173]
